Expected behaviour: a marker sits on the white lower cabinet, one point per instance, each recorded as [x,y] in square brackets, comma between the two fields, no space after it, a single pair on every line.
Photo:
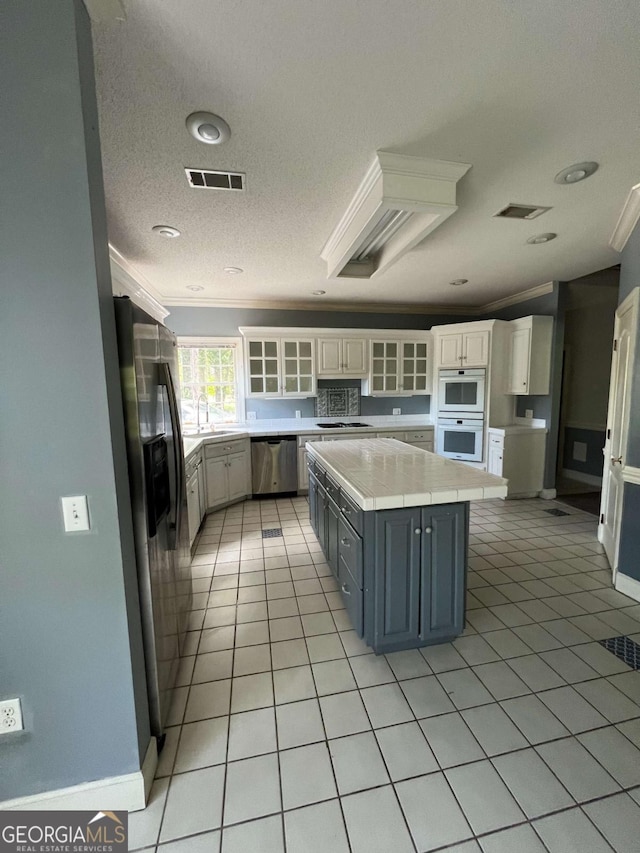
[519,457]
[227,472]
[194,475]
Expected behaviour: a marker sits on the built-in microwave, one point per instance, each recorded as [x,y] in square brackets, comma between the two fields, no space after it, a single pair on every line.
[460,438]
[461,391]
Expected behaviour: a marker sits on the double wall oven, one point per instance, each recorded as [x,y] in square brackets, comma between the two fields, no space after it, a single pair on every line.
[461,406]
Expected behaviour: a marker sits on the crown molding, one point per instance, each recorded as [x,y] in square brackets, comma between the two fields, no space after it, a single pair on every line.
[627,220]
[364,307]
[105,11]
[318,305]
[523,296]
[127,281]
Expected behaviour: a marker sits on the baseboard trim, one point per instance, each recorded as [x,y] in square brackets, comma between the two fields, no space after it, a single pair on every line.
[548,494]
[627,586]
[590,479]
[116,793]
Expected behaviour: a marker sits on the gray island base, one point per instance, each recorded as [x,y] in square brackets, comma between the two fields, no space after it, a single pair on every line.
[393,523]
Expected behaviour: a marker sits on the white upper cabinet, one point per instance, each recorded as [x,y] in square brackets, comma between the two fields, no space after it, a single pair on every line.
[263,364]
[400,368]
[529,366]
[342,357]
[464,349]
[415,367]
[384,369]
[280,367]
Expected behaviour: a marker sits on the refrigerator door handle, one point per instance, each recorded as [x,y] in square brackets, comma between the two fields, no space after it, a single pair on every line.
[167,380]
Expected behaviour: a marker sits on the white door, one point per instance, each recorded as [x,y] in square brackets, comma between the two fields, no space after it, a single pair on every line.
[193,505]
[354,356]
[475,349]
[617,428]
[237,474]
[450,351]
[329,356]
[519,361]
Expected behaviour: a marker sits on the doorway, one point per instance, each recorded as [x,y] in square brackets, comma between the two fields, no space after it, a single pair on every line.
[591,302]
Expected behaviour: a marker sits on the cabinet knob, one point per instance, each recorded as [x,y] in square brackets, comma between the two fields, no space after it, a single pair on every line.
[345,510]
[428,529]
[346,543]
[345,589]
[417,530]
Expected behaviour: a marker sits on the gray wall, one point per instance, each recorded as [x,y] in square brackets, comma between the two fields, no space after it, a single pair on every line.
[594,439]
[225,321]
[629,564]
[69,627]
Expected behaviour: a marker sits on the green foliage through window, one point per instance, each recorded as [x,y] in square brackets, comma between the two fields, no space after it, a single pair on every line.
[209,384]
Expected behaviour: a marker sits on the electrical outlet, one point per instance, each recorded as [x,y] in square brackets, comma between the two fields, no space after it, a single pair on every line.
[75,512]
[10,716]
[528,413]
[298,413]
[397,411]
[251,416]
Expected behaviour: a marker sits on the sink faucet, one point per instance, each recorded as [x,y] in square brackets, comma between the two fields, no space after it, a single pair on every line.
[206,402]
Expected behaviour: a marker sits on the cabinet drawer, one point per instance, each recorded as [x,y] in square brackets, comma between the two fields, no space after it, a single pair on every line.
[352,596]
[349,552]
[399,436]
[321,474]
[222,448]
[352,512]
[333,489]
[423,435]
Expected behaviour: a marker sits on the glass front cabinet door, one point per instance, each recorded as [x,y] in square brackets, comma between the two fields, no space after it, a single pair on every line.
[264,368]
[384,367]
[415,377]
[298,374]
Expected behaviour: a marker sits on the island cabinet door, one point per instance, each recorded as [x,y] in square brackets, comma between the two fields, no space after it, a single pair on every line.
[398,536]
[442,584]
[321,517]
[332,517]
[313,501]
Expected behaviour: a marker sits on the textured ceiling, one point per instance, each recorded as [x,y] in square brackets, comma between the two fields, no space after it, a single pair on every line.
[311,90]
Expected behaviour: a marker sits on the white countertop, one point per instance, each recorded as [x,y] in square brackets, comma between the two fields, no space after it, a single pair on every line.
[518,429]
[382,473]
[306,426]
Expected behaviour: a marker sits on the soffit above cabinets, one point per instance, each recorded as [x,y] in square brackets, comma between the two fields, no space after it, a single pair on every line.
[398,203]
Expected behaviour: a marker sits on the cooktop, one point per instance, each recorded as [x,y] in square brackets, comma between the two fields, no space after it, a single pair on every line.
[343,425]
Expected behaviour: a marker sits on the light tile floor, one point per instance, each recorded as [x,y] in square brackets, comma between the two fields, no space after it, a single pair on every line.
[287,734]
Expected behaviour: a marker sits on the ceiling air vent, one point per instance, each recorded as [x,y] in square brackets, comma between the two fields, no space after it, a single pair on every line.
[208,180]
[521,211]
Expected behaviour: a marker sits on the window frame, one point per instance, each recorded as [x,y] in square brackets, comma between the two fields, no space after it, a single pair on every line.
[223,340]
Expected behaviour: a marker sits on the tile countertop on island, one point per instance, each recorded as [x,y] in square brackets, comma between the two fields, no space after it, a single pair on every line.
[382,473]
[304,426]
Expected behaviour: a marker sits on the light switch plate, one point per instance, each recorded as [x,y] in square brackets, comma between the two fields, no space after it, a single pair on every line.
[397,411]
[298,413]
[528,413]
[251,416]
[75,512]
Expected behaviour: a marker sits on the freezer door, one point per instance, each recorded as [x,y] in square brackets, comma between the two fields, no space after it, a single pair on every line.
[163,562]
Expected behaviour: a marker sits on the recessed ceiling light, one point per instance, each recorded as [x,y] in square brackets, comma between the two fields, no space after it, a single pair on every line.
[318,292]
[194,287]
[575,173]
[458,282]
[541,238]
[233,270]
[166,230]
[208,128]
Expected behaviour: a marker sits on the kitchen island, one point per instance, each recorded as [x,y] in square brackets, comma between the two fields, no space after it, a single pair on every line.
[393,522]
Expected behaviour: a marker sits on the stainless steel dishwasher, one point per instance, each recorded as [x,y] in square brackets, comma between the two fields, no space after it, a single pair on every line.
[274,465]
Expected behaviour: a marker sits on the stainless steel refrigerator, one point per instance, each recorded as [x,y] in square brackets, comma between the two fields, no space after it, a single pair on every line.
[149,379]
